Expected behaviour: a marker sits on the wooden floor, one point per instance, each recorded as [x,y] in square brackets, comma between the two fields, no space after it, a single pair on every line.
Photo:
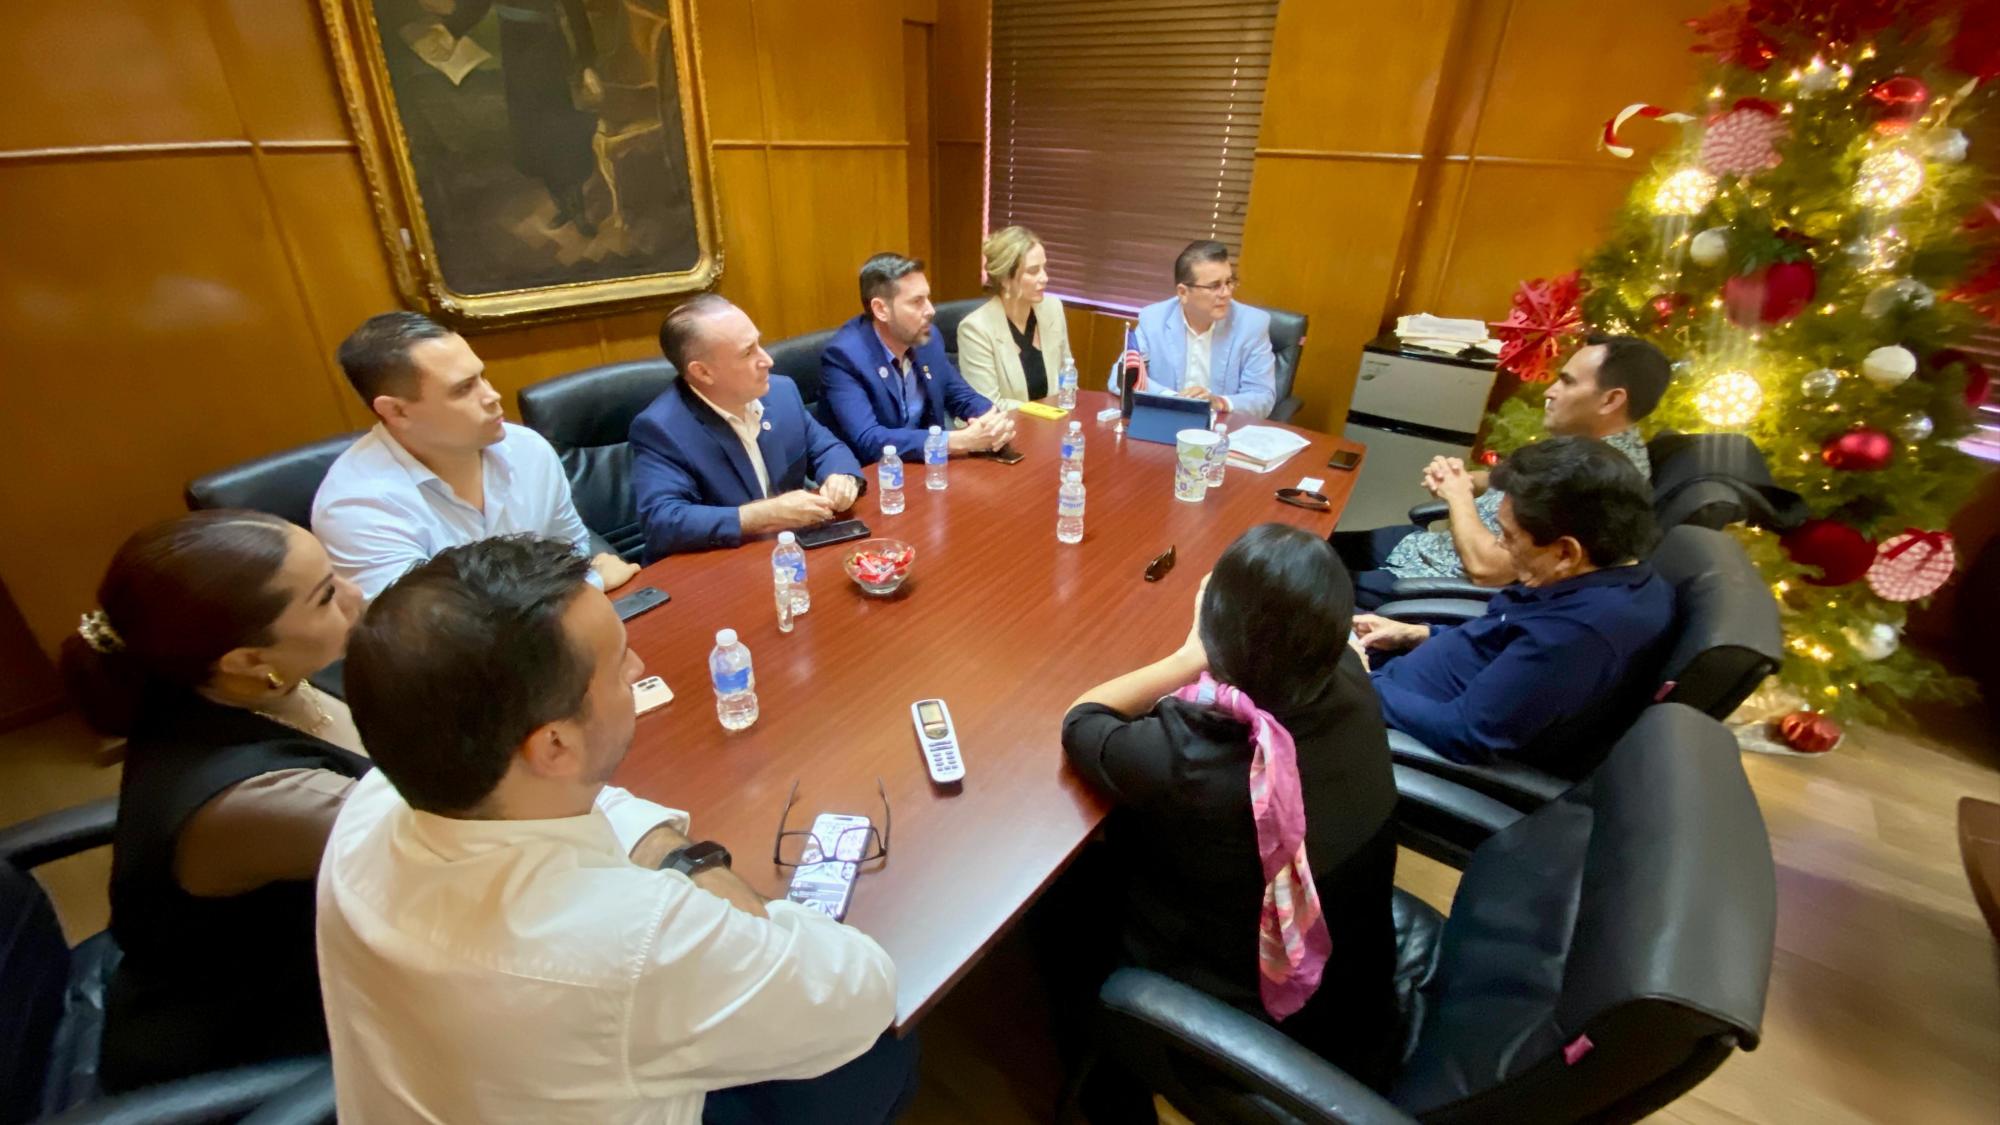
[1885,994]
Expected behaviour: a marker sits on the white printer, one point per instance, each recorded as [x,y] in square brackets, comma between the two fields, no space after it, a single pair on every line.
[1410,405]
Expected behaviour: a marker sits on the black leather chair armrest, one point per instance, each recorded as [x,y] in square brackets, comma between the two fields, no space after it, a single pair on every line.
[1442,609]
[225,1095]
[1284,408]
[599,545]
[1511,783]
[309,1101]
[1429,512]
[1443,819]
[64,832]
[1406,588]
[1150,1012]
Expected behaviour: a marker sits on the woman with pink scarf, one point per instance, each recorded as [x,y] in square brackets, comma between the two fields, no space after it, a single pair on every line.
[1250,851]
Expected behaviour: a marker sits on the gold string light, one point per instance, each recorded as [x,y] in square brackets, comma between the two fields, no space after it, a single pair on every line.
[1685,192]
[1887,180]
[1729,400]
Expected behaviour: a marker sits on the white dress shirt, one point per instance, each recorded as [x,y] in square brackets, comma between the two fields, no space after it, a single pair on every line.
[746,425]
[380,511]
[527,970]
[1198,344]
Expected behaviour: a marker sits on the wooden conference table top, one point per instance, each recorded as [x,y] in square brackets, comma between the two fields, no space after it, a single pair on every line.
[997,618]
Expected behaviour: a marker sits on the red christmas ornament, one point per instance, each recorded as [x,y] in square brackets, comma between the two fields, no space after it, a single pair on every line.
[1808,733]
[1978,380]
[1862,449]
[1489,458]
[1748,33]
[1915,564]
[1899,101]
[1841,553]
[1975,49]
[1743,140]
[1778,292]
[1544,318]
[1667,306]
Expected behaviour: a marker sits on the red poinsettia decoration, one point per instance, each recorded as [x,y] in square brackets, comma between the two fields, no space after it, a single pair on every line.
[1544,319]
[1975,49]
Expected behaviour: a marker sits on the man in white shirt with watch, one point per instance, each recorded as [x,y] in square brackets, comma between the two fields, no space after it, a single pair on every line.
[504,937]
[1203,343]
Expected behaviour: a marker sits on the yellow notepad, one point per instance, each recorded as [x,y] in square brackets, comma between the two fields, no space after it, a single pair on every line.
[1043,410]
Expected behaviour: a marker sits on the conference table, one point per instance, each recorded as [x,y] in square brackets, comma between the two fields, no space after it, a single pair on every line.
[1000,620]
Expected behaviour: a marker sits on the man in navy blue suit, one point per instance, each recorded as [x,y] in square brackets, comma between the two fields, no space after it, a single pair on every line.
[728,452]
[885,378]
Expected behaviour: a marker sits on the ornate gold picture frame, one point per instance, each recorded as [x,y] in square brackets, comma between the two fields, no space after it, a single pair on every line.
[532,159]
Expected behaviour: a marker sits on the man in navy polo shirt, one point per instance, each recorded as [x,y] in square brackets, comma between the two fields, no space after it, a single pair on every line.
[1577,641]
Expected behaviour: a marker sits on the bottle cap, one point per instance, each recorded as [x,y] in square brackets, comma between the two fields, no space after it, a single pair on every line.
[725,637]
[1222,427]
[1074,478]
[787,538]
[888,451]
[935,430]
[1076,425]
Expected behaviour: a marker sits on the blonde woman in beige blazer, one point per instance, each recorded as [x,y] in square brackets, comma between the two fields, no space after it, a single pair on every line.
[1012,347]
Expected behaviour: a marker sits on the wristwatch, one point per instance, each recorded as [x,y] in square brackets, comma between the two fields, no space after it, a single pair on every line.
[692,859]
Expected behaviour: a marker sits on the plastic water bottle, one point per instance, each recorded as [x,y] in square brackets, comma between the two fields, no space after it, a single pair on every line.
[1066,384]
[1218,456]
[1069,509]
[735,682]
[781,591]
[791,558]
[889,481]
[1072,449]
[937,451]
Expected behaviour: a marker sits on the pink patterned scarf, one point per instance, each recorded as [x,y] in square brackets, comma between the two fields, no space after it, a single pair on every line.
[1292,939]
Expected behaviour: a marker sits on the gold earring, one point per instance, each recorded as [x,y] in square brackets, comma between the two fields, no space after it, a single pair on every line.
[272,679]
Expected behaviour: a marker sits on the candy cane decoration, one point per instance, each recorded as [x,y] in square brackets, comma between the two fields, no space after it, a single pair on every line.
[1609,141]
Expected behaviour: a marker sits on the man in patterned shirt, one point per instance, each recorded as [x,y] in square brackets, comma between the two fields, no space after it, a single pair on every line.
[1603,391]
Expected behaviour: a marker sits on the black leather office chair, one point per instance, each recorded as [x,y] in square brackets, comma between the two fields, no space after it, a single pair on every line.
[1288,343]
[282,484]
[949,315]
[1726,640]
[587,416]
[52,1011]
[797,358]
[1602,956]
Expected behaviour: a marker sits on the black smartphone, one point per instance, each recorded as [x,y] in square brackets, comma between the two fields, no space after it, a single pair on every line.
[639,601]
[1006,455]
[1344,460]
[827,534]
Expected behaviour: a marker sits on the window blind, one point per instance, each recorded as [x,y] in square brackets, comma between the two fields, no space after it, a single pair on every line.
[1122,130]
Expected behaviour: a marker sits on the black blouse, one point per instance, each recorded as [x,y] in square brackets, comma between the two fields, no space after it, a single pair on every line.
[1031,358]
[1184,841]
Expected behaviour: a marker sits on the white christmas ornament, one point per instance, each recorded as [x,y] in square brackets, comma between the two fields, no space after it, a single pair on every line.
[1948,146]
[1915,427]
[1819,384]
[1816,78]
[1710,246]
[1890,366]
[1906,291]
[1875,642]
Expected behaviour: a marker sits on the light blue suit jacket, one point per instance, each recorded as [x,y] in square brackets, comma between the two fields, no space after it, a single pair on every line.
[1241,367]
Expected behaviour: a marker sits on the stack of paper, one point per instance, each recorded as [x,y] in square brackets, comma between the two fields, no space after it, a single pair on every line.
[1436,333]
[1263,448]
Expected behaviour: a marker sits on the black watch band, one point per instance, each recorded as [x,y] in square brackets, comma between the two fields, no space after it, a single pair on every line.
[692,859]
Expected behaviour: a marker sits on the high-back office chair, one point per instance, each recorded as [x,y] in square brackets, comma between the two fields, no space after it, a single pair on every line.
[1602,956]
[52,1010]
[1288,344]
[797,359]
[1726,640]
[949,314]
[282,484]
[587,416]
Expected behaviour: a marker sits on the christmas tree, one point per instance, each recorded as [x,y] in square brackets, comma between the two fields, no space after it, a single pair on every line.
[1811,254]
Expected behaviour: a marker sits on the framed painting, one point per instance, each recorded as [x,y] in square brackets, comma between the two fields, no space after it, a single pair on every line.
[532,159]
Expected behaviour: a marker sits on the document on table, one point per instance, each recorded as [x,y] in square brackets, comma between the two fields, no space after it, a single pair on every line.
[1263,448]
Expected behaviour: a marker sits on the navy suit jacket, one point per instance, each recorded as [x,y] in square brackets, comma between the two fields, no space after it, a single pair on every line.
[690,472]
[858,403]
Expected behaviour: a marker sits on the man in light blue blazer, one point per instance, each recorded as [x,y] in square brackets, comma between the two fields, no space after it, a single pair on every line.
[729,452]
[1202,344]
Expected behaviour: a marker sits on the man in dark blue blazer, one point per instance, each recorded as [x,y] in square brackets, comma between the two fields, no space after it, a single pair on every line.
[885,378]
[728,452]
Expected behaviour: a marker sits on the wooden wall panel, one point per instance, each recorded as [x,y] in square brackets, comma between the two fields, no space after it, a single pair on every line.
[826,236]
[1521,222]
[1354,77]
[1322,241]
[263,44]
[961,194]
[920,144]
[730,70]
[110,72]
[958,124]
[832,70]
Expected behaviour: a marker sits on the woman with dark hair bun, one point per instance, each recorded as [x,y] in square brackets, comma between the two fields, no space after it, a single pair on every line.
[206,630]
[1249,850]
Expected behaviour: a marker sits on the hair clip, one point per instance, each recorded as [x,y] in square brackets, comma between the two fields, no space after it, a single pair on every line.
[95,629]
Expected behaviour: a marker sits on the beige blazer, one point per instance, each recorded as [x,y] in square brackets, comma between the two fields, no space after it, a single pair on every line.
[989,360]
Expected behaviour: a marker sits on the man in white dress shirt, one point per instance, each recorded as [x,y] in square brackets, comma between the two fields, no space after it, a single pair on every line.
[503,937]
[441,467]
[1203,343]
